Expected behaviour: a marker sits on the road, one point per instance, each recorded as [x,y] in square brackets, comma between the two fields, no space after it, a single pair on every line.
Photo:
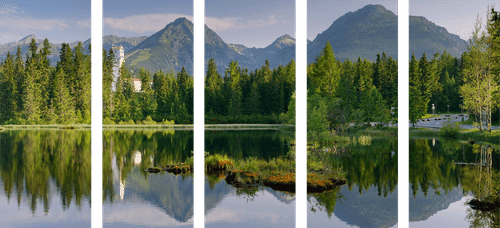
[437,122]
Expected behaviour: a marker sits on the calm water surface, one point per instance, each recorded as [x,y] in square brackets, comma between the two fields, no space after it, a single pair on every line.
[46,182]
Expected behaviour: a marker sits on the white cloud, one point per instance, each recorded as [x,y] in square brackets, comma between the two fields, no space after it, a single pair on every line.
[16,22]
[142,23]
[220,24]
[154,22]
[7,11]
[84,23]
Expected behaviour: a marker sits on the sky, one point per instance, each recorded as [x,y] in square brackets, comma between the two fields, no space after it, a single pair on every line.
[252,23]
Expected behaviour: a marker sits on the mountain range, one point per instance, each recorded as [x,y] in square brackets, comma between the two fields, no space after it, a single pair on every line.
[370,30]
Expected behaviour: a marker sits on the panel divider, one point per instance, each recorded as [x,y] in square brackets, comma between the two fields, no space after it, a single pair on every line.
[96,113]
[199,22]
[300,184]
[403,113]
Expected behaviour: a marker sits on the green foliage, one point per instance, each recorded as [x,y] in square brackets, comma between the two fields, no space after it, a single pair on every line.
[148,121]
[108,121]
[449,129]
[168,122]
[339,93]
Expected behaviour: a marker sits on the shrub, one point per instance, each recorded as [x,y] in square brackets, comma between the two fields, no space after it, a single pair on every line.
[128,122]
[449,129]
[149,121]
[168,122]
[108,121]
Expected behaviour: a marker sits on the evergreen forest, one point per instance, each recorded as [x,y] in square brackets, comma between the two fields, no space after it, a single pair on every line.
[35,91]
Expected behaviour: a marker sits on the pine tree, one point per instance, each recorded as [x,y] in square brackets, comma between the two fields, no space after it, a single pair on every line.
[160,92]
[80,81]
[252,104]
[44,69]
[234,90]
[8,90]
[417,105]
[107,78]
[213,93]
[326,74]
[20,78]
[347,91]
[147,102]
[61,102]
[31,89]
[373,106]
[429,78]
[122,105]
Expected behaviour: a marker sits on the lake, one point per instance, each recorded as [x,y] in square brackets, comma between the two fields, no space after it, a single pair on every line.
[46,175]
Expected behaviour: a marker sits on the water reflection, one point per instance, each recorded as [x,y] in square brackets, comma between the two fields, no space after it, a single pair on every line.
[52,170]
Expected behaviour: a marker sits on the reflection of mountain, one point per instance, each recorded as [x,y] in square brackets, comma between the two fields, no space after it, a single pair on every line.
[368,209]
[173,194]
[283,197]
[422,207]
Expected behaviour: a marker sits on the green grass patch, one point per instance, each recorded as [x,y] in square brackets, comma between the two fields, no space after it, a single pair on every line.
[140,56]
[469,135]
[429,116]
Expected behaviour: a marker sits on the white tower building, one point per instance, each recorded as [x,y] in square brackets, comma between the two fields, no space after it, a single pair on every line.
[119,59]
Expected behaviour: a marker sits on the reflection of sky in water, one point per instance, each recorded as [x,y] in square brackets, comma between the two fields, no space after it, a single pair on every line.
[453,216]
[267,209]
[264,211]
[14,216]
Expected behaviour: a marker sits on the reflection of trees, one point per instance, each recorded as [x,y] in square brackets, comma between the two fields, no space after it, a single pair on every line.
[325,201]
[428,169]
[448,164]
[431,168]
[373,165]
[365,167]
[480,219]
[30,158]
[483,182]
[244,144]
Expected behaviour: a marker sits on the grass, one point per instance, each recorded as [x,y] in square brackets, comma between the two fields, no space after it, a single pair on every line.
[429,116]
[469,135]
[154,126]
[372,131]
[472,121]
[277,173]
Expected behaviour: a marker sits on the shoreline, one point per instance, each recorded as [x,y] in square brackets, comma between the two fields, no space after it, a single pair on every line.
[212,127]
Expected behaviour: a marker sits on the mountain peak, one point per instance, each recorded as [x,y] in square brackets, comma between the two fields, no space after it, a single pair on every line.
[286,36]
[373,8]
[181,20]
[282,42]
[28,38]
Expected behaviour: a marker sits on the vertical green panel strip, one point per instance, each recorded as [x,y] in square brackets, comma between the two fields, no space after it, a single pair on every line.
[300,29]
[199,22]
[403,113]
[96,114]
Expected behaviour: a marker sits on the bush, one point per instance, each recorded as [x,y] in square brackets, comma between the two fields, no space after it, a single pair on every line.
[108,121]
[128,122]
[149,121]
[449,129]
[168,122]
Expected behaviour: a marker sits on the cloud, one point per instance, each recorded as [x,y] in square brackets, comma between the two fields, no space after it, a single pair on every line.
[84,23]
[7,11]
[142,23]
[11,20]
[220,24]
[153,22]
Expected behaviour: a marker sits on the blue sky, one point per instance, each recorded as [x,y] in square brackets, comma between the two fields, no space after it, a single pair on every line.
[252,23]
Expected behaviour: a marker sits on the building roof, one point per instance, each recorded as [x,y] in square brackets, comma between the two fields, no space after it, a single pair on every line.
[133,79]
